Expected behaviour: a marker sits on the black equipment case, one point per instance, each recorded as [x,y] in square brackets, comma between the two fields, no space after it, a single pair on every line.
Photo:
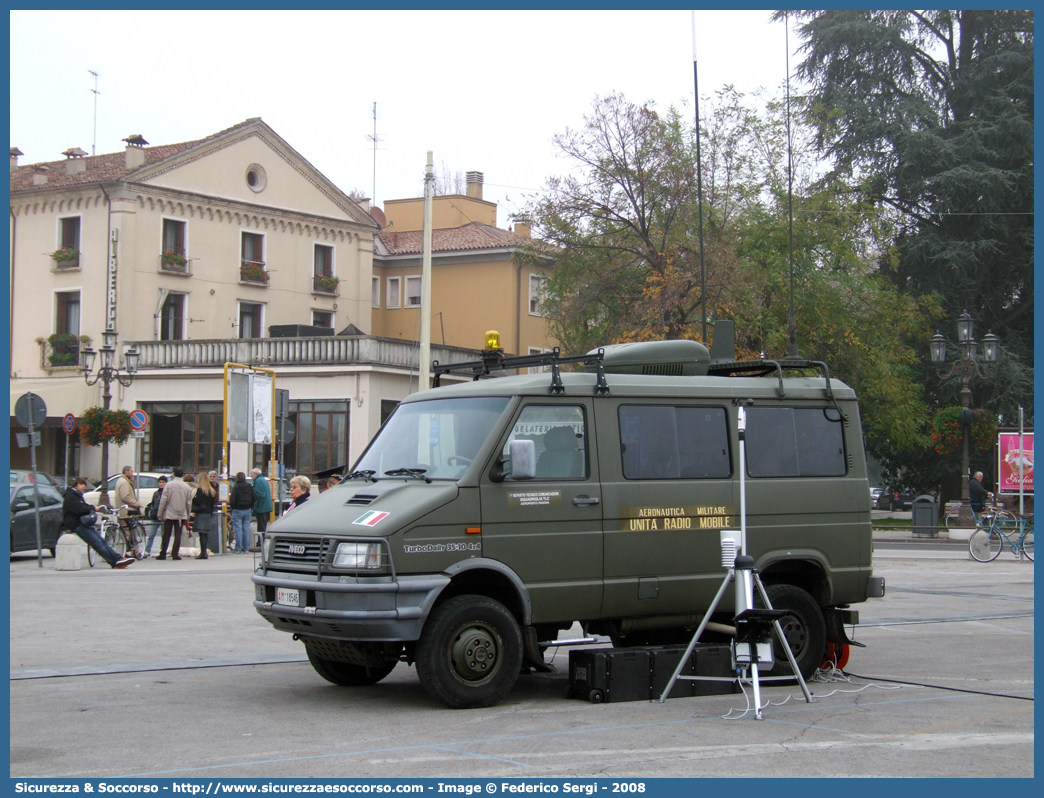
[641,673]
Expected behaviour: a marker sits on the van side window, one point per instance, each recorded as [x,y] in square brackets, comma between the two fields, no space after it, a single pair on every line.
[795,442]
[559,436]
[662,442]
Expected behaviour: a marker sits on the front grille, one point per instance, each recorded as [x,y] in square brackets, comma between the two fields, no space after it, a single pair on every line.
[299,551]
[361,499]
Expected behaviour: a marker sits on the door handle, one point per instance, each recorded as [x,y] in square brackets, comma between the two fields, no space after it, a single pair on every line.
[585,501]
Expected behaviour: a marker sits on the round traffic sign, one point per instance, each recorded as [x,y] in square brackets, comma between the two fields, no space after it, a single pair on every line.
[69,423]
[30,409]
[139,420]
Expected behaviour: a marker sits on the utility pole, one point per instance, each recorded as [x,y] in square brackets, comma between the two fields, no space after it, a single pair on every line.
[94,141]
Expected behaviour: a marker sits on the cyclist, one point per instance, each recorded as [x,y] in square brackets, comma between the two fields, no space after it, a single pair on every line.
[977,495]
[127,501]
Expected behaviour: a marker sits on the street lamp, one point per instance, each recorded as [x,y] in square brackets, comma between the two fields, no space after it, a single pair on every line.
[108,372]
[965,366]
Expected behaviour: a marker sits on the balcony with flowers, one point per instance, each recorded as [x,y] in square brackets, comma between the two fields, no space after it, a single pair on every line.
[253,272]
[65,259]
[325,284]
[175,262]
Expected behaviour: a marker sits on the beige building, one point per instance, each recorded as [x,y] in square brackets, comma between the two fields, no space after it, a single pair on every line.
[483,277]
[199,253]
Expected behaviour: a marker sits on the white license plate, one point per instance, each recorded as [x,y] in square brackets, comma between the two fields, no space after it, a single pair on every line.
[291,598]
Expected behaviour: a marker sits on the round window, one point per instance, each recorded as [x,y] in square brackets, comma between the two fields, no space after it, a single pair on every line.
[256,177]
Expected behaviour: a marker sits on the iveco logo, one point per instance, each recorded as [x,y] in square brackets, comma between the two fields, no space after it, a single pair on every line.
[297,548]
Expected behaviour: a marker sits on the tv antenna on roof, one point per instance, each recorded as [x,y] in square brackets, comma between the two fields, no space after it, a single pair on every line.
[376,140]
[94,143]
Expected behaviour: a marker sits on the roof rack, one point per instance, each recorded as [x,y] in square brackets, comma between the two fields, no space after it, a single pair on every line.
[761,368]
[496,360]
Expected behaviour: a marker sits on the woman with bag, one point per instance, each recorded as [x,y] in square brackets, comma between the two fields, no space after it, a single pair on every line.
[203,512]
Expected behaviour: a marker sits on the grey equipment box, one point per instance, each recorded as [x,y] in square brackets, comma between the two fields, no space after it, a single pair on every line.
[641,673]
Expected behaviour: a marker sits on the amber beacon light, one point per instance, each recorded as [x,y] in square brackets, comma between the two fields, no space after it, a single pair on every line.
[492,341]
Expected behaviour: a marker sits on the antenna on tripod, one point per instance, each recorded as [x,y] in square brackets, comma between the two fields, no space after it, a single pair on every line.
[94,143]
[793,352]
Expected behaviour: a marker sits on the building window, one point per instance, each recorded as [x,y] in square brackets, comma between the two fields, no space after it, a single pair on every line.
[70,233]
[172,318]
[173,251]
[413,292]
[251,320]
[536,294]
[182,434]
[323,261]
[387,408]
[375,292]
[392,299]
[321,440]
[536,350]
[256,179]
[322,318]
[252,259]
[67,312]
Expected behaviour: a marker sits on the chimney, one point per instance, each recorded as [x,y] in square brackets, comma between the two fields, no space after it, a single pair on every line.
[74,163]
[474,180]
[40,176]
[523,226]
[135,150]
[15,152]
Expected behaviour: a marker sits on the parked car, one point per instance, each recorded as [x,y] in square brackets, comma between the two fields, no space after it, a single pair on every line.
[893,499]
[20,477]
[23,517]
[875,494]
[145,482]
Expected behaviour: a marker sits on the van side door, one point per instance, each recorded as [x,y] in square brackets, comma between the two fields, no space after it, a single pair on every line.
[549,529]
[667,479]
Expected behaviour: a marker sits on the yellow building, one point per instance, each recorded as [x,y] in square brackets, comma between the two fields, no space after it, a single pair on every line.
[483,277]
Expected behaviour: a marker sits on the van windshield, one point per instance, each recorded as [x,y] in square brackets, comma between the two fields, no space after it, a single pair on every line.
[440,436]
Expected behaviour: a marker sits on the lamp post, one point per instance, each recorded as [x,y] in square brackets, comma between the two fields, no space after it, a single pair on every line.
[965,366]
[108,372]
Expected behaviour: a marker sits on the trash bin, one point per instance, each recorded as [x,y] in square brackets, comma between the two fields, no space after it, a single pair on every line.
[926,517]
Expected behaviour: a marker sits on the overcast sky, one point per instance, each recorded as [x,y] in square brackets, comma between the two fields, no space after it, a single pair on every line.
[484,91]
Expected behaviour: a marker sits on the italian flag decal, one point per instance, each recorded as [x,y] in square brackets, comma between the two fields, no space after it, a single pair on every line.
[371,518]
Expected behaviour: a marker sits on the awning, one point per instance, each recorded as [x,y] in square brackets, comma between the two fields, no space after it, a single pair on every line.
[61,395]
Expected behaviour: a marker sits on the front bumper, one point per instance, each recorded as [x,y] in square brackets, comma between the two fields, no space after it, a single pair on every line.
[389,608]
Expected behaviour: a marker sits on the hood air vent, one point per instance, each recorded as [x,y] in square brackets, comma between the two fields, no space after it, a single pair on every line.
[361,499]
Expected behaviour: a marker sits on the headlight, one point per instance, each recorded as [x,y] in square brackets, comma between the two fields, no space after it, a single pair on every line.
[357,555]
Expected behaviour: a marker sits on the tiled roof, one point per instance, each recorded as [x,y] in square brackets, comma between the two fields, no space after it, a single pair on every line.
[456,239]
[101,168]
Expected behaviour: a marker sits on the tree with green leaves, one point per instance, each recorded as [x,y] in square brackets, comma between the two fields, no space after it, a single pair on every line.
[929,115]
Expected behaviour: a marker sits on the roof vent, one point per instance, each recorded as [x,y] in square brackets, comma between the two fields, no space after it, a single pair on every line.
[135,150]
[474,181]
[660,358]
[75,163]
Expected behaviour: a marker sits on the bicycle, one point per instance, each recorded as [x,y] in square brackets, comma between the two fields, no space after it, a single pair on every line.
[109,529]
[986,543]
[952,517]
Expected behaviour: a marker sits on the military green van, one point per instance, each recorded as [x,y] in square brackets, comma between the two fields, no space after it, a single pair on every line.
[486,516]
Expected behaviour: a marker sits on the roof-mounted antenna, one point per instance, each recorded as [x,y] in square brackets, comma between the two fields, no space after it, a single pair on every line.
[790,201]
[699,181]
[94,143]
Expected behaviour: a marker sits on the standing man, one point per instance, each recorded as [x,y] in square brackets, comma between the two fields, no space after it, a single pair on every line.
[126,497]
[262,502]
[174,509]
[977,495]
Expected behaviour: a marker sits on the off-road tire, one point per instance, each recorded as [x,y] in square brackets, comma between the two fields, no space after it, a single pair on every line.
[803,626]
[345,674]
[470,652]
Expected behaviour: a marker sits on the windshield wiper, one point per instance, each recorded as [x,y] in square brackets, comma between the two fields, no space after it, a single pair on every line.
[417,473]
[367,475]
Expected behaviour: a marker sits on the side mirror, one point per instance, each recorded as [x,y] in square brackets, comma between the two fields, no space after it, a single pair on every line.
[523,459]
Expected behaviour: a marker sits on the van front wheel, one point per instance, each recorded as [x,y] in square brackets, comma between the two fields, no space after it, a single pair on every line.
[803,627]
[470,652]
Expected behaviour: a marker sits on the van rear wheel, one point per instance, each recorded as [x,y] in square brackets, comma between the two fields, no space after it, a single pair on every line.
[346,674]
[803,627]
[470,652]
